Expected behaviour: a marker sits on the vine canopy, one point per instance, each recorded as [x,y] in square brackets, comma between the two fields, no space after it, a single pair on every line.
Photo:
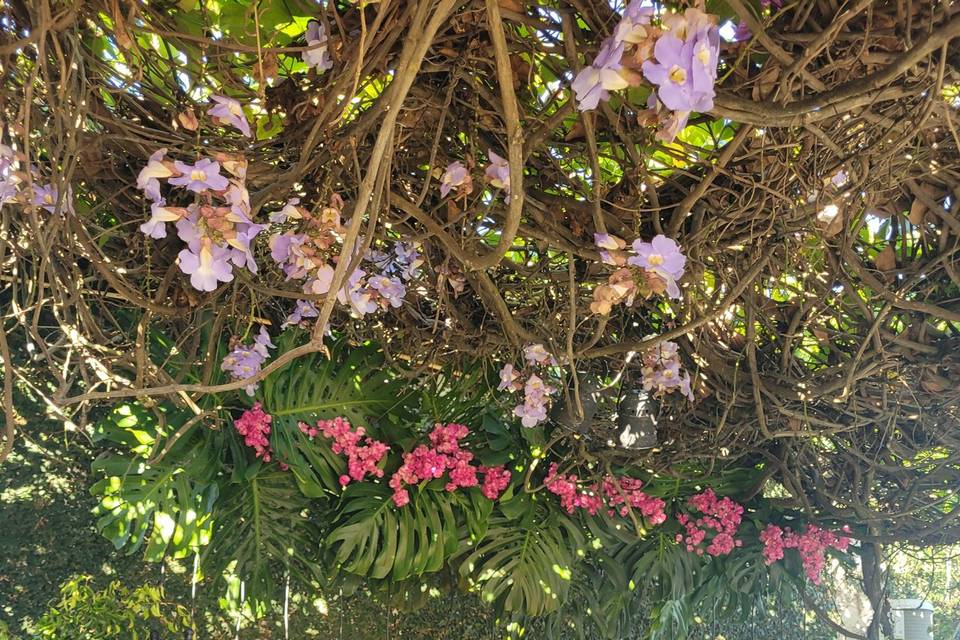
[485,166]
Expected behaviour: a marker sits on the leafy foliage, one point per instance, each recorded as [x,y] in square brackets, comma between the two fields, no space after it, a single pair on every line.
[115,612]
[373,538]
[166,503]
[525,569]
[264,530]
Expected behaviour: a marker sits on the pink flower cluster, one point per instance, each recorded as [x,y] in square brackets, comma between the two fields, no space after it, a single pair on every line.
[679,58]
[536,393]
[662,373]
[619,495]
[811,544]
[444,455]
[308,251]
[254,426]
[652,267]
[721,516]
[363,453]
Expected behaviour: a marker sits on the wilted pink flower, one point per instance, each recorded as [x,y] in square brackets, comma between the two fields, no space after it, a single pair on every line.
[228,111]
[200,177]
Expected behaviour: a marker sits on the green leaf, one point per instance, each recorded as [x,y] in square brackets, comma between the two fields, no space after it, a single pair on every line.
[372,537]
[525,569]
[167,504]
[264,531]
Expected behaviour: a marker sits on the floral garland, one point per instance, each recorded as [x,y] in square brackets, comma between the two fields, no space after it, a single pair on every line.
[710,524]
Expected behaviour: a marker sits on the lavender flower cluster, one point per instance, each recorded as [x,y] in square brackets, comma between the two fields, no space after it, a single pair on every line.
[536,393]
[308,251]
[678,58]
[653,267]
[217,226]
[662,373]
[12,181]
[246,360]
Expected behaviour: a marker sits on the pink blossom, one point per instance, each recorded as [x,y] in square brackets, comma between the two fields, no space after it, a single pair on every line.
[445,456]
[812,546]
[495,480]
[254,426]
[363,453]
[721,516]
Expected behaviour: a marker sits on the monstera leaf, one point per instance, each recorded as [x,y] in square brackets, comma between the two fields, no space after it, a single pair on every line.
[525,566]
[352,383]
[168,503]
[374,538]
[263,532]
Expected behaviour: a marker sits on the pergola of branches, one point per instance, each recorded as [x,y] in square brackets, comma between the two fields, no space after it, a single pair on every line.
[820,317]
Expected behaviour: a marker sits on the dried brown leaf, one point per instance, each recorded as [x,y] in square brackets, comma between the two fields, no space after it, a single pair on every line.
[886,260]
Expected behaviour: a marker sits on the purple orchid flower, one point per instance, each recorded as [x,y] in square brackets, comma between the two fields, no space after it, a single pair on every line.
[317,57]
[595,82]
[391,289]
[289,211]
[742,32]
[246,361]
[206,268]
[632,27]
[304,309]
[661,256]
[706,55]
[323,278]
[508,377]
[200,177]
[262,343]
[674,74]
[47,196]
[229,111]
